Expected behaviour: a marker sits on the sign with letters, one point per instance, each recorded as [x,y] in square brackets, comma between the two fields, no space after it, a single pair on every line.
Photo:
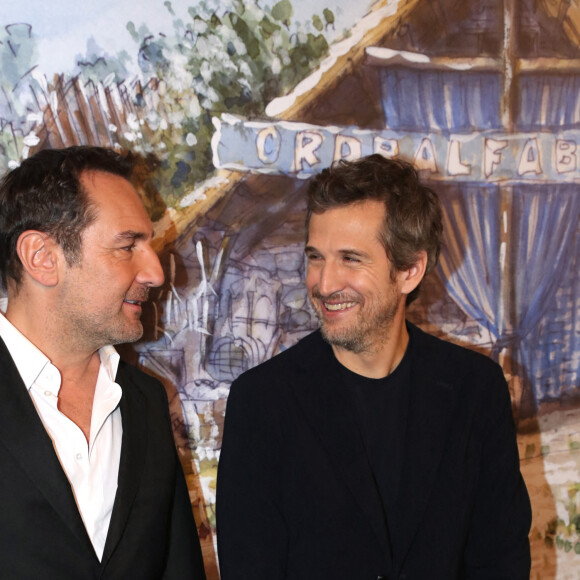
[301,149]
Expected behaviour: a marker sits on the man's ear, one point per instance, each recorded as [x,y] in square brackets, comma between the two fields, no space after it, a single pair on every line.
[40,256]
[410,279]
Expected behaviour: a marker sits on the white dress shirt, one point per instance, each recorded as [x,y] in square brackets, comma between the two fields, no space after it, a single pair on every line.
[92,468]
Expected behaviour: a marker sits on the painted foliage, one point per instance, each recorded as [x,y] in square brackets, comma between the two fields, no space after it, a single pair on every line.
[237,105]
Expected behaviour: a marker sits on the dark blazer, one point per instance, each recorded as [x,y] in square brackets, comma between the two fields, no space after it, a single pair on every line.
[296,498]
[152,533]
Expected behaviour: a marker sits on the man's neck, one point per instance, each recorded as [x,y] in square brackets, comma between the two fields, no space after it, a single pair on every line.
[382,358]
[74,363]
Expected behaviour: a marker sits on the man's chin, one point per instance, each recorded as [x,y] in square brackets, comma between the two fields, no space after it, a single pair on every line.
[350,341]
[128,335]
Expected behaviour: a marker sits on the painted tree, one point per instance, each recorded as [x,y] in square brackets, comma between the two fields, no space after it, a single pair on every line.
[19,81]
[224,59]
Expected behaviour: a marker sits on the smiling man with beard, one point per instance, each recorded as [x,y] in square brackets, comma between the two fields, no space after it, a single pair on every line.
[371,449]
[91,482]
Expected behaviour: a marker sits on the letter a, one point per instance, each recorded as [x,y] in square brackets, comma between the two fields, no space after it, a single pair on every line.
[530,158]
[425,157]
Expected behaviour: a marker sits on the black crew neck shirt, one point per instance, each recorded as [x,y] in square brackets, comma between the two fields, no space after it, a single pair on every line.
[380,408]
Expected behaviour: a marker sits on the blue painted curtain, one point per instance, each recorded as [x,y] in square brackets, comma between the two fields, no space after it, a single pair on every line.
[541,246]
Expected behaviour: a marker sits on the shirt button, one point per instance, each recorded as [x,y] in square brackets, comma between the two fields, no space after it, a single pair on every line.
[47,393]
[79,456]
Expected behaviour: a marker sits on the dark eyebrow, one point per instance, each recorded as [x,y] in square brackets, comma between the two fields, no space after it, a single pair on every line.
[344,252]
[352,252]
[132,235]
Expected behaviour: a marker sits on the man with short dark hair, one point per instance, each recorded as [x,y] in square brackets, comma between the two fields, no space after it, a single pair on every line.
[91,482]
[371,449]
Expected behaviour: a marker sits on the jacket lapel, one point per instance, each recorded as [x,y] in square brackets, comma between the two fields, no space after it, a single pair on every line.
[133,449]
[430,408]
[322,399]
[24,436]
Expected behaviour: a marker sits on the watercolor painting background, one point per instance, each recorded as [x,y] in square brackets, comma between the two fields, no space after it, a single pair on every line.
[235,104]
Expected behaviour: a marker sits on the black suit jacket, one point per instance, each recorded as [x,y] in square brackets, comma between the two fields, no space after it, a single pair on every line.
[152,533]
[296,497]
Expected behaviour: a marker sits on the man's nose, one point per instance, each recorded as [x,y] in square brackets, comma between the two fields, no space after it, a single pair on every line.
[150,271]
[330,279]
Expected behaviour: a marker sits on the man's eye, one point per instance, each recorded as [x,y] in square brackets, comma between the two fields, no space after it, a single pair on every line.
[128,248]
[351,259]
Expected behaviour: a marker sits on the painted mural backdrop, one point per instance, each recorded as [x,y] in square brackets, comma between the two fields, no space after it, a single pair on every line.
[234,104]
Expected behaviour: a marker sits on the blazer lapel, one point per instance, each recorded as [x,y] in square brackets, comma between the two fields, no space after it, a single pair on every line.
[320,394]
[24,436]
[430,407]
[133,450]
